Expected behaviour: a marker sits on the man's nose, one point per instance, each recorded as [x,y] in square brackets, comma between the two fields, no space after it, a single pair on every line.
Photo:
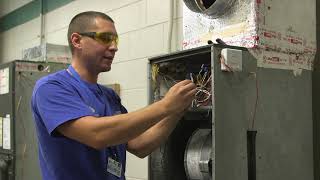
[113,46]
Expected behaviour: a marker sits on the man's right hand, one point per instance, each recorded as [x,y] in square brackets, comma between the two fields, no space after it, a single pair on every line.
[180,96]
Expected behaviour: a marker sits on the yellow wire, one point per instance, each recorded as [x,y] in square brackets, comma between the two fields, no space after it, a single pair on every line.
[155,71]
[154,74]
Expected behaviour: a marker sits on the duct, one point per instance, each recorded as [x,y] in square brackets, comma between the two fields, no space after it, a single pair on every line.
[211,8]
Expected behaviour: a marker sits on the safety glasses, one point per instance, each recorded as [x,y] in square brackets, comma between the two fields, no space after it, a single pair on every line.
[106,38]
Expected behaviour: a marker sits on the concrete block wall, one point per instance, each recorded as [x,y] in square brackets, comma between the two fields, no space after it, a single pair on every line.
[143,29]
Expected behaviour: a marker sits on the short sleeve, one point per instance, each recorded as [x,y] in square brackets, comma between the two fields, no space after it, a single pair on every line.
[57,104]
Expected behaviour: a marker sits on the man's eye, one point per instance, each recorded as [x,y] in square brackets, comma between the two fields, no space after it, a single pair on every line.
[108,38]
[105,38]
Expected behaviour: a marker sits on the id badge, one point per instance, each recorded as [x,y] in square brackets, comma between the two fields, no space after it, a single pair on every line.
[114,167]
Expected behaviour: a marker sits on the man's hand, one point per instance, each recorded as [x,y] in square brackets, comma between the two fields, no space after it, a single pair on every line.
[180,96]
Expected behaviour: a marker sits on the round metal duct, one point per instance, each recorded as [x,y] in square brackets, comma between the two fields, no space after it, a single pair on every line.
[197,156]
[211,8]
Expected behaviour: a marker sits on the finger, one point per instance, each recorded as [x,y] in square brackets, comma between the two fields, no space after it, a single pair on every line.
[191,93]
[184,82]
[190,86]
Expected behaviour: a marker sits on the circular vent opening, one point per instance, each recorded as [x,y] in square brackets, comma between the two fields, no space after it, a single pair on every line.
[207,3]
[211,8]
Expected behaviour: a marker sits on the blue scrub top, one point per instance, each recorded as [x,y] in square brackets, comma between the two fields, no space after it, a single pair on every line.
[61,97]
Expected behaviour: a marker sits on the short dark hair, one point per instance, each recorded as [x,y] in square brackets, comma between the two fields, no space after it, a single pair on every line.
[83,22]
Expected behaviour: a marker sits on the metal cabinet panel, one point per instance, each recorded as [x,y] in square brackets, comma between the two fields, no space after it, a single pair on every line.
[274,102]
[21,160]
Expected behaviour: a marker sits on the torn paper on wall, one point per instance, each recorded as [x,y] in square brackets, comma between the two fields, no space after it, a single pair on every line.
[4,81]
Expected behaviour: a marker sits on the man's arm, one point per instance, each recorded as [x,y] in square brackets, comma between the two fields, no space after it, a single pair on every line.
[108,131]
[147,142]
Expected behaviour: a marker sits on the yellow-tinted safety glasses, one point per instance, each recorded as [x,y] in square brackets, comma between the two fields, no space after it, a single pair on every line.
[106,38]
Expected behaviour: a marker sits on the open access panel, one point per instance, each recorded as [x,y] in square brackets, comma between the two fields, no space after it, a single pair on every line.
[245,123]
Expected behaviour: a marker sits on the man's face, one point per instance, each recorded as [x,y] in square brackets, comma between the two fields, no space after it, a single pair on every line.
[98,56]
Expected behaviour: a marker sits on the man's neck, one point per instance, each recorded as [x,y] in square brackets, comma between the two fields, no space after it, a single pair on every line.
[85,73]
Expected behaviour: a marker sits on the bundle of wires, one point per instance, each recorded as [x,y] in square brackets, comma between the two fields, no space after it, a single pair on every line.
[202,80]
[203,83]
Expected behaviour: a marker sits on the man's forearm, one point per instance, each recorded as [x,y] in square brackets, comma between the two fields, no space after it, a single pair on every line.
[147,142]
[112,130]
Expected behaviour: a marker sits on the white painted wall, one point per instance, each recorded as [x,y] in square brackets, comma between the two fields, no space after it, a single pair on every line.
[142,26]
[7,6]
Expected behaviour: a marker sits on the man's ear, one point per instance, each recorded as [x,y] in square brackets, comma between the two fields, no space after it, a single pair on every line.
[75,40]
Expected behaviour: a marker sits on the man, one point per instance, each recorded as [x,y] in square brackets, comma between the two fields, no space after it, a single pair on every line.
[83,130]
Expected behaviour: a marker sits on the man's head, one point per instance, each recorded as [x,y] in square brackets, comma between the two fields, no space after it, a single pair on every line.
[93,39]
[83,22]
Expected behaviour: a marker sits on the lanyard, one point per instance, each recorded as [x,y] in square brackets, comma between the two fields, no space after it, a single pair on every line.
[75,75]
[114,152]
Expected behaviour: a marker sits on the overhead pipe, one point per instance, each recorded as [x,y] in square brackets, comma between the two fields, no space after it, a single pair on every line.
[170,28]
[42,27]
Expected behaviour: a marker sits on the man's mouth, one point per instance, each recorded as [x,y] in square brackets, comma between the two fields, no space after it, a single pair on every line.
[108,57]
